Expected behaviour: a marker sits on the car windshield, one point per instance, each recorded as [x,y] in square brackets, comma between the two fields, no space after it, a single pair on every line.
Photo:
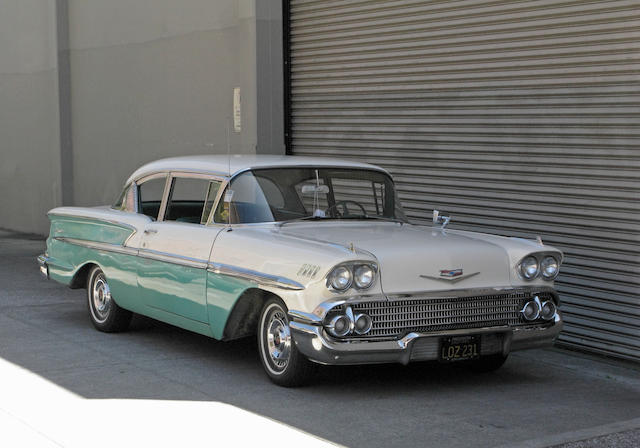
[285,194]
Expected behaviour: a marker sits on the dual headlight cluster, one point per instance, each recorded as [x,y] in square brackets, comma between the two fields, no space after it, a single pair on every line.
[536,309]
[360,275]
[347,323]
[545,266]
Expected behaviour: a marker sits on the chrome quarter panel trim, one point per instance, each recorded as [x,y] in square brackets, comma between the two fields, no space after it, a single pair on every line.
[117,248]
[258,277]
[172,258]
[97,218]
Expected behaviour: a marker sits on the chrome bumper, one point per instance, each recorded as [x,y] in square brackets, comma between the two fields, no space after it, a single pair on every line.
[311,339]
[44,268]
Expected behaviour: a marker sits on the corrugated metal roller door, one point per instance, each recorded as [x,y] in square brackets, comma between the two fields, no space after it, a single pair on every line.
[517,117]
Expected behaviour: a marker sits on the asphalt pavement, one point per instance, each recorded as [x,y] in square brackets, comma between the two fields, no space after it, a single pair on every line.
[66,384]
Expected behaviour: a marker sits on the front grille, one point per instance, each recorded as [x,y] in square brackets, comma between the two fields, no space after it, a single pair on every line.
[396,318]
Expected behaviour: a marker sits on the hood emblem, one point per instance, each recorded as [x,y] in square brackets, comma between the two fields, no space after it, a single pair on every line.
[450,275]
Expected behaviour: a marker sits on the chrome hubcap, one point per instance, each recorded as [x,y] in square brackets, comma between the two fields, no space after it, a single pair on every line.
[101,297]
[278,339]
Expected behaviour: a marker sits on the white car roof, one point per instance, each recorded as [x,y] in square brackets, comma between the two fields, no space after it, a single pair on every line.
[224,165]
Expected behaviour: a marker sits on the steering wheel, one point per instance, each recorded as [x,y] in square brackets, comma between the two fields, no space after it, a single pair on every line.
[345,209]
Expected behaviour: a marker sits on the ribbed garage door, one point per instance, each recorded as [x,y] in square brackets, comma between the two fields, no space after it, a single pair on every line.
[516,117]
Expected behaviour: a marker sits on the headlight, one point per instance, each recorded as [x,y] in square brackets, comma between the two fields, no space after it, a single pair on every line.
[548,310]
[549,268]
[363,276]
[358,274]
[529,268]
[340,325]
[340,278]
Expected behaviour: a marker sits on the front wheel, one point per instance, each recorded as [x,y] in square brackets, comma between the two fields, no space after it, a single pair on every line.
[282,361]
[104,312]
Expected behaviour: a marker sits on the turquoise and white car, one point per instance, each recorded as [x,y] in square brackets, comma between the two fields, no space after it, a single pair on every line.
[314,256]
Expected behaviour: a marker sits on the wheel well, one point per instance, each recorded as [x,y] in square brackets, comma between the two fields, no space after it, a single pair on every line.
[243,319]
[79,280]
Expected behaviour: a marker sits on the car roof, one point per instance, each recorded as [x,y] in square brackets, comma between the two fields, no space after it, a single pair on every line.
[224,165]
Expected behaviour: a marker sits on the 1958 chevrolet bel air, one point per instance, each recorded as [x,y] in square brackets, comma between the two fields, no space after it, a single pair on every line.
[315,256]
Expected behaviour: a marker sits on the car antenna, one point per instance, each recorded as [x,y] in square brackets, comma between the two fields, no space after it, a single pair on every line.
[229,193]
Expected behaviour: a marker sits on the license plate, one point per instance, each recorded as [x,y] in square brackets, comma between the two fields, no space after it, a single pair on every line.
[459,348]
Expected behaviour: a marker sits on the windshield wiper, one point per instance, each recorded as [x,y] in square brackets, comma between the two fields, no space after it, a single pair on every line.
[305,218]
[338,218]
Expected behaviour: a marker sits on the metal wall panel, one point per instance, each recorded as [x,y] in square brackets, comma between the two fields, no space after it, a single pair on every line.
[517,117]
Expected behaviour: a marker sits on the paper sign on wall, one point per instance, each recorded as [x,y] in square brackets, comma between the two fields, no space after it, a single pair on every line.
[237,114]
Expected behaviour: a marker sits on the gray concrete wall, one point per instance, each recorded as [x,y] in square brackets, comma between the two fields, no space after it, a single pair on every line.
[270,79]
[29,141]
[152,79]
[92,89]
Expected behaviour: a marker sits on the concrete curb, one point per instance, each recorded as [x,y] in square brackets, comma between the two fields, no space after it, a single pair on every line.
[575,436]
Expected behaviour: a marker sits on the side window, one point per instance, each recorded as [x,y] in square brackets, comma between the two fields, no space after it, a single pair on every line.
[212,193]
[150,196]
[187,199]
[126,200]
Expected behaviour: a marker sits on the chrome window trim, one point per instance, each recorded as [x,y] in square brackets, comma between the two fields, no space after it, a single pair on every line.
[221,190]
[172,174]
[163,201]
[320,167]
[255,276]
[210,177]
[229,179]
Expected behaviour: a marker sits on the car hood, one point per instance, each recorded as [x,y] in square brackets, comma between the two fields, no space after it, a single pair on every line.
[413,258]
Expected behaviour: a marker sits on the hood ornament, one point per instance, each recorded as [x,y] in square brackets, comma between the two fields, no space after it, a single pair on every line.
[440,219]
[450,275]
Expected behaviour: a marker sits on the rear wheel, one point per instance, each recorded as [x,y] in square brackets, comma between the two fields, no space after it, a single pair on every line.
[104,312]
[281,360]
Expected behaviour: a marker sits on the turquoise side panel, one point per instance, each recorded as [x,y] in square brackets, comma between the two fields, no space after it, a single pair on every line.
[65,259]
[88,229]
[168,284]
[222,294]
[174,288]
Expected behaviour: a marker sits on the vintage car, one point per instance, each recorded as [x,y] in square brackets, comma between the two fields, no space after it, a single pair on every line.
[314,256]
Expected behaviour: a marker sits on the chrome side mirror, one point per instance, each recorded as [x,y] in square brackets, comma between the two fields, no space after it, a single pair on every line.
[440,219]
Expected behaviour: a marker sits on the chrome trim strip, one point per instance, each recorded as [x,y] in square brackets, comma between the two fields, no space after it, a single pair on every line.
[255,276]
[307,318]
[117,248]
[110,221]
[172,258]
[217,174]
[142,253]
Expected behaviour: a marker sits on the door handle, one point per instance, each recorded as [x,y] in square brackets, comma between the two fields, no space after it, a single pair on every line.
[150,231]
